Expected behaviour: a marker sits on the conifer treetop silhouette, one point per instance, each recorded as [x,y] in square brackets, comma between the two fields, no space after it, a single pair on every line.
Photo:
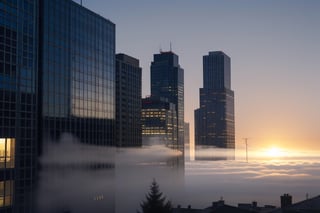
[155,201]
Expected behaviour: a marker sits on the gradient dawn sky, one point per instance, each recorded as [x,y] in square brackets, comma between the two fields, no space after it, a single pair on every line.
[274,47]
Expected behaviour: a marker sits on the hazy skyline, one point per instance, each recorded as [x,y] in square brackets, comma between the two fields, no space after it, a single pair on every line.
[274,52]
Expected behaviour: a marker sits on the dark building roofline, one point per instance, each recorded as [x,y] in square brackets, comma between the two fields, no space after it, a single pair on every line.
[90,11]
[127,59]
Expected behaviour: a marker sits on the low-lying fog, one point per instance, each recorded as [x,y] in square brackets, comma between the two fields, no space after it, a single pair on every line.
[80,178]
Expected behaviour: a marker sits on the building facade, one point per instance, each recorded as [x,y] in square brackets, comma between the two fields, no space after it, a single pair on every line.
[159,122]
[214,120]
[57,75]
[18,103]
[77,73]
[128,99]
[77,100]
[167,81]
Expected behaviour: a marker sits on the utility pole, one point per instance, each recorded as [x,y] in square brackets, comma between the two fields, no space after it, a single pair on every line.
[246,142]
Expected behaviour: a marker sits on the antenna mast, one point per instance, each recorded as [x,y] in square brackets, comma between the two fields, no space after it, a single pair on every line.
[246,142]
[170,46]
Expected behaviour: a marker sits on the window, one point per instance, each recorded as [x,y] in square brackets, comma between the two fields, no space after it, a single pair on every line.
[6,192]
[7,150]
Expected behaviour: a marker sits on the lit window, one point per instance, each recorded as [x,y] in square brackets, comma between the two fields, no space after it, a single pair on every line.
[6,191]
[7,149]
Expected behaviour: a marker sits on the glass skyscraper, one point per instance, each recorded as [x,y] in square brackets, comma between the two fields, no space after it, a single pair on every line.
[57,75]
[77,73]
[77,94]
[214,120]
[128,99]
[18,103]
[167,81]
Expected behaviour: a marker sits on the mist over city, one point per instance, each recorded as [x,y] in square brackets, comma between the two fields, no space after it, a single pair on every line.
[159,107]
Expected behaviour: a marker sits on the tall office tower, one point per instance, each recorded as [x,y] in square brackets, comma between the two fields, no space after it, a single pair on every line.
[167,81]
[214,120]
[77,94]
[77,73]
[159,122]
[128,99]
[18,104]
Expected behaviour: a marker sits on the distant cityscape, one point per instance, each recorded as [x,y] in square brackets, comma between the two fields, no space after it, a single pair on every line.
[60,73]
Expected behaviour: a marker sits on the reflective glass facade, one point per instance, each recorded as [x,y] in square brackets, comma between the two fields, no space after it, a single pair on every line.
[214,120]
[167,81]
[57,74]
[18,103]
[128,99]
[77,70]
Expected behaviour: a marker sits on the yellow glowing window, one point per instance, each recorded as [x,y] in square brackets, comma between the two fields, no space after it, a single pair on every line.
[7,150]
[6,192]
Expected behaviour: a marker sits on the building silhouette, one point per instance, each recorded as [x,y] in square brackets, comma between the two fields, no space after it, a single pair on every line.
[57,75]
[287,206]
[286,200]
[214,119]
[159,122]
[167,81]
[216,207]
[128,99]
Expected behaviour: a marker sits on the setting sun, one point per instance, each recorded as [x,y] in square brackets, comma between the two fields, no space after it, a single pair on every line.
[274,152]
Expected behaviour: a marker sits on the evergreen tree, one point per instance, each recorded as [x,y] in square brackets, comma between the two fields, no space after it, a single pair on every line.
[155,201]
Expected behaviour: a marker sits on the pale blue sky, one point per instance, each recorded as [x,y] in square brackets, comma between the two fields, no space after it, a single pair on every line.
[274,49]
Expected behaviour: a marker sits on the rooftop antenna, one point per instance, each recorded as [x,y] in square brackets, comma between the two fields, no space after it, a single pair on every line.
[170,46]
[160,49]
[246,142]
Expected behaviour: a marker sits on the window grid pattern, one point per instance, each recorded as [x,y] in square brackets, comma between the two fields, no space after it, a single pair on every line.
[128,98]
[159,119]
[78,73]
[214,120]
[18,99]
[167,81]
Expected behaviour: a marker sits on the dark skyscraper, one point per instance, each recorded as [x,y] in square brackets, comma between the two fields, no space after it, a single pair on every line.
[167,81]
[128,99]
[57,75]
[18,103]
[77,94]
[214,120]
[77,73]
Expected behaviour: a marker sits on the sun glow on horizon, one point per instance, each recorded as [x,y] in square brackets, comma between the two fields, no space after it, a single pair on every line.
[275,152]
